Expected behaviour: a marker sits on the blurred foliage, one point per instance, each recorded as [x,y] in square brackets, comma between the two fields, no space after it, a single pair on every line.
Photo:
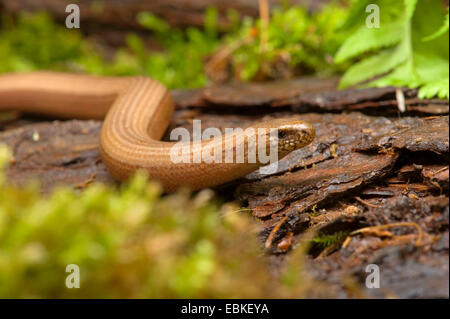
[181,63]
[296,41]
[36,42]
[410,48]
[131,242]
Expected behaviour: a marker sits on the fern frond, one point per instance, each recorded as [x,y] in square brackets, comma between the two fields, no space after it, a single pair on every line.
[438,88]
[403,75]
[375,65]
[442,30]
[366,39]
[354,16]
[397,50]
[410,6]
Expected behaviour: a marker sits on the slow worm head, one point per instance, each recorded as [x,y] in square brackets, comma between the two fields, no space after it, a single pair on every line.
[137,111]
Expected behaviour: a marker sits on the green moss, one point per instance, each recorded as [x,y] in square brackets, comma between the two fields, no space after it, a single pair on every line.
[328,240]
[132,242]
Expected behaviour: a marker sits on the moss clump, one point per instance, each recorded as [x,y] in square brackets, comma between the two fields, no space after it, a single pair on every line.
[132,242]
[330,240]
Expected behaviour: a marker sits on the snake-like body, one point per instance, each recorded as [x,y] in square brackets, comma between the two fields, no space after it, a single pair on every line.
[137,112]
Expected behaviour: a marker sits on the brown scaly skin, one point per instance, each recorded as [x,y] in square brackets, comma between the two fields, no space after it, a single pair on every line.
[137,111]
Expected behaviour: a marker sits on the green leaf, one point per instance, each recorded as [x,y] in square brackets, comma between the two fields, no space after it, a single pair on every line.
[411,62]
[375,65]
[152,22]
[211,22]
[442,30]
[410,6]
[356,10]
[366,39]
[438,88]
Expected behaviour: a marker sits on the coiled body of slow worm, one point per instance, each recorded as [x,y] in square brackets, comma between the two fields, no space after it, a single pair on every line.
[137,111]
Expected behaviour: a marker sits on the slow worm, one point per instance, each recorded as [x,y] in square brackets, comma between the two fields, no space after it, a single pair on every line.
[136,112]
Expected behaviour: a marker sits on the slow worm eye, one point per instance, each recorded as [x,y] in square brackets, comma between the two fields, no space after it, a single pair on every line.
[281,134]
